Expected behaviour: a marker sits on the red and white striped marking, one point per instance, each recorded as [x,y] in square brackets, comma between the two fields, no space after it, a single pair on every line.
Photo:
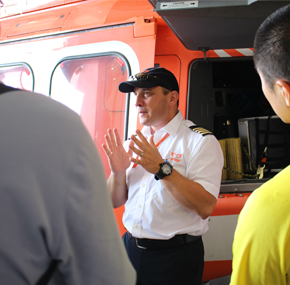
[234,52]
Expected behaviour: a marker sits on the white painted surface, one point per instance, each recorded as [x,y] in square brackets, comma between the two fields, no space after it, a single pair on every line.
[219,238]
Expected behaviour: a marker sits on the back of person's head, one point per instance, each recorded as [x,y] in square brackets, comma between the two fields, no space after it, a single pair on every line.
[272,47]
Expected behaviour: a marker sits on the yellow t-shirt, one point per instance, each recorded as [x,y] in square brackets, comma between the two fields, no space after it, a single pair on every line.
[261,245]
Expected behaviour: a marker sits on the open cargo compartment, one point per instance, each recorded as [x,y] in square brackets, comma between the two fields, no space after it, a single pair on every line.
[225,97]
[215,24]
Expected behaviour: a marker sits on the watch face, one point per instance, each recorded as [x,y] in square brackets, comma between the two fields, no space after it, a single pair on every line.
[166,169]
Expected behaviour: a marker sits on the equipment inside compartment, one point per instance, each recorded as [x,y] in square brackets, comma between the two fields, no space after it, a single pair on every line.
[225,97]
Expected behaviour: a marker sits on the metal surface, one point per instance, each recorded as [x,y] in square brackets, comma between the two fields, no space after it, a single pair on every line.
[215,24]
[238,186]
[174,5]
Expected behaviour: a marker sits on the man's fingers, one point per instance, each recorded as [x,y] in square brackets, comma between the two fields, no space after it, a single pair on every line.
[111,137]
[151,141]
[137,142]
[142,143]
[135,149]
[142,138]
[130,152]
[109,144]
[106,149]
[117,137]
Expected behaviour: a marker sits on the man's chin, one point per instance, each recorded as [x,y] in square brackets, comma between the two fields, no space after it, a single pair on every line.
[143,121]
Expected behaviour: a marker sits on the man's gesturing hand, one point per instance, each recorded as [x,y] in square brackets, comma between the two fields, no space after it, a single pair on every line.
[119,159]
[148,155]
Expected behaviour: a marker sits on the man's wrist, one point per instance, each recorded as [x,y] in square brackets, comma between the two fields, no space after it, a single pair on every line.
[164,170]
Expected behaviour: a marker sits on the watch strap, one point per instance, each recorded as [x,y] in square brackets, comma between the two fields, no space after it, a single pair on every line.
[160,174]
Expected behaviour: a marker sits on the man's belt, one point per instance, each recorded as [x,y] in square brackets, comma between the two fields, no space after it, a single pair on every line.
[177,240]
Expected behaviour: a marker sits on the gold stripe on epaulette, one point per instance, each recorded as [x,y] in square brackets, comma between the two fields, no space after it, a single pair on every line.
[202,131]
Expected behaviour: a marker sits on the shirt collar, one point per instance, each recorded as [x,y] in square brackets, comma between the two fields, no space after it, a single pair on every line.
[170,128]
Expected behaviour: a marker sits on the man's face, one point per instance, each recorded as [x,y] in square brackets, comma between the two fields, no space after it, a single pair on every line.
[152,106]
[276,99]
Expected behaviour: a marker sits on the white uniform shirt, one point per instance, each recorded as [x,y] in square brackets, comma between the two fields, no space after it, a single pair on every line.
[150,211]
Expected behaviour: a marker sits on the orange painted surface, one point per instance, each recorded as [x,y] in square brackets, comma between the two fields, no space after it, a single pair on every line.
[119,214]
[78,15]
[230,204]
[216,269]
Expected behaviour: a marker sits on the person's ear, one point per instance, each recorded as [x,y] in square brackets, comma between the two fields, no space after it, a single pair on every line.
[284,87]
[174,97]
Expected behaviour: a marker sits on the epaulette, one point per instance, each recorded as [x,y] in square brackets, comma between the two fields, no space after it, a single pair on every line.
[200,130]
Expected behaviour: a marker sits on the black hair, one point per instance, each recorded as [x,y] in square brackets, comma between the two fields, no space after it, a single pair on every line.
[272,47]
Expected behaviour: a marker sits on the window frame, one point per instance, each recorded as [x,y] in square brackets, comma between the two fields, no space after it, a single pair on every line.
[21,63]
[95,55]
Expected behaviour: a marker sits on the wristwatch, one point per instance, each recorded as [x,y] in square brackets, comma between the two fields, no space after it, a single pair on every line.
[165,170]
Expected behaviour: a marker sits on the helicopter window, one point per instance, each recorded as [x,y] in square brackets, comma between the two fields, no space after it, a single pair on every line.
[17,76]
[89,86]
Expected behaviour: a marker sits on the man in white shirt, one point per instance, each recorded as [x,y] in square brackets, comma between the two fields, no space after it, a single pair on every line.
[168,176]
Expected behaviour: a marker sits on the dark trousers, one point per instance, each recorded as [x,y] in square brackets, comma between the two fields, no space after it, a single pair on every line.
[173,266]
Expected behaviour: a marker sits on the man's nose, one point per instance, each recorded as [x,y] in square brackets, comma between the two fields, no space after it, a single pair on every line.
[139,101]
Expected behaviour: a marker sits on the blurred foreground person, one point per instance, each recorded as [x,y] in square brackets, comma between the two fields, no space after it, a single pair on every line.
[261,246]
[55,211]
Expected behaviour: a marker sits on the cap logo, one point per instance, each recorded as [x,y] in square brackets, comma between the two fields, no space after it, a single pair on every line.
[140,76]
[143,76]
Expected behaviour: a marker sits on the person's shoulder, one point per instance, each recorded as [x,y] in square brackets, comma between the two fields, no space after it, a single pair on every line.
[273,194]
[283,174]
[200,130]
[192,128]
[276,184]
[197,133]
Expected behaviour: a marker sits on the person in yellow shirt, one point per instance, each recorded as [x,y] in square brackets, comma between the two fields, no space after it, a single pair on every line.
[261,247]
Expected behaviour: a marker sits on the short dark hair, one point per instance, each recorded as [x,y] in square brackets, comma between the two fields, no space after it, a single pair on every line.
[166,91]
[272,47]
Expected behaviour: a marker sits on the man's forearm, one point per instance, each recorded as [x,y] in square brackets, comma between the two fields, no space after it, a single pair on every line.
[189,194]
[118,189]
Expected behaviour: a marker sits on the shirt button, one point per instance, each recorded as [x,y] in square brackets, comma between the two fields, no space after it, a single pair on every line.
[143,185]
[140,206]
[136,226]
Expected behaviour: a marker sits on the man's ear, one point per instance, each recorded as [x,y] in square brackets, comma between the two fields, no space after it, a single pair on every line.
[174,96]
[285,90]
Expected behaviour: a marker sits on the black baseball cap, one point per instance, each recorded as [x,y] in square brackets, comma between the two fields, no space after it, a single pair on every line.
[151,77]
